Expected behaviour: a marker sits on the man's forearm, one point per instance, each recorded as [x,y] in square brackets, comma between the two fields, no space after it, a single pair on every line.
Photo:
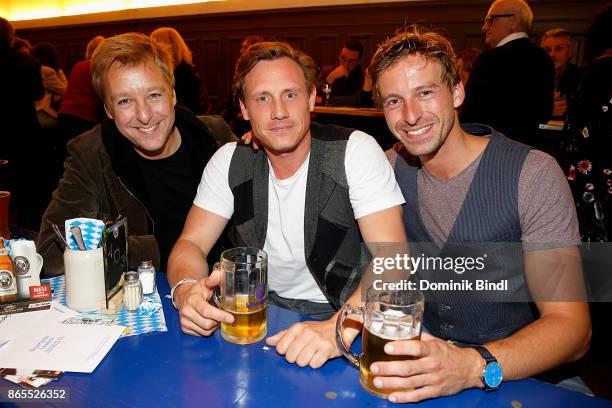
[552,340]
[186,261]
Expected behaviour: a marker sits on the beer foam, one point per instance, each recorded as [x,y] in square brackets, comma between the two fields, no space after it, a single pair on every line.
[392,325]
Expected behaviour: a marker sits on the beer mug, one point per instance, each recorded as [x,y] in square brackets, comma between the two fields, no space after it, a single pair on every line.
[387,316]
[243,293]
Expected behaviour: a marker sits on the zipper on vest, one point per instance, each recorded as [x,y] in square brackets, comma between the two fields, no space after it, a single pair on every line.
[141,204]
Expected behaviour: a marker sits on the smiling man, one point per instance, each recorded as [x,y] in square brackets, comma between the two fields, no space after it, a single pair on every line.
[307,198]
[144,162]
[474,186]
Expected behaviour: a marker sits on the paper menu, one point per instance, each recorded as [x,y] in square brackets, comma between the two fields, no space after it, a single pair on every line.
[51,344]
[15,325]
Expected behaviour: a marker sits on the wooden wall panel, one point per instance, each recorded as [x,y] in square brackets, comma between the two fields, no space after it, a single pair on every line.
[320,31]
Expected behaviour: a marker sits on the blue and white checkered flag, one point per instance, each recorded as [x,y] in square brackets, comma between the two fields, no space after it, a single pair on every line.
[91,229]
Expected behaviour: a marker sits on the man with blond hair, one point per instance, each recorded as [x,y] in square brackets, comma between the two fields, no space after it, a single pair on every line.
[511,84]
[143,163]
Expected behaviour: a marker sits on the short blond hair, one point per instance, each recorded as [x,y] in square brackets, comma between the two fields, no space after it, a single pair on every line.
[130,49]
[556,33]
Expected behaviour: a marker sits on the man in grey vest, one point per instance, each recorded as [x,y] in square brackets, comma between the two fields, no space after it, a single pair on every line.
[308,199]
[473,185]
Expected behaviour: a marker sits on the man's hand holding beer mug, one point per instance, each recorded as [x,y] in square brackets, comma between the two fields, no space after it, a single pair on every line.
[238,286]
[426,368]
[197,316]
[396,358]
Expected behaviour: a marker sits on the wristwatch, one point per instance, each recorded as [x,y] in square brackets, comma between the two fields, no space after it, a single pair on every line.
[492,374]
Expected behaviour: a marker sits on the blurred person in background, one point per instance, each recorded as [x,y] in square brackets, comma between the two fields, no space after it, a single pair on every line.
[22,87]
[190,91]
[21,45]
[511,85]
[345,78]
[49,148]
[54,81]
[590,128]
[465,60]
[81,108]
[557,42]
[232,113]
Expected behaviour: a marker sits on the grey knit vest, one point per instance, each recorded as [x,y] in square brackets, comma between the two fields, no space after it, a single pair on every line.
[332,242]
[487,223]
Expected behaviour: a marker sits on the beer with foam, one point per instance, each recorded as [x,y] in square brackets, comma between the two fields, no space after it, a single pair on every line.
[373,340]
[387,316]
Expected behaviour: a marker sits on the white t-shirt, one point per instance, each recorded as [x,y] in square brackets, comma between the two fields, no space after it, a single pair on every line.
[372,187]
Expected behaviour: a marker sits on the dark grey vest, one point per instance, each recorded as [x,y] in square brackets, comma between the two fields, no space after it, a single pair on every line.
[332,242]
[489,215]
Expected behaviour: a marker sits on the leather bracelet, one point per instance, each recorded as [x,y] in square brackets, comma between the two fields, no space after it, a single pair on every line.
[179,283]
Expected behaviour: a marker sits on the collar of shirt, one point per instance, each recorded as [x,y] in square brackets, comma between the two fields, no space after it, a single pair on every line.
[512,37]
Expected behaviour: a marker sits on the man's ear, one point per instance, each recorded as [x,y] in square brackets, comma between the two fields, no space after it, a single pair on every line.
[458,95]
[243,109]
[108,113]
[517,24]
[312,99]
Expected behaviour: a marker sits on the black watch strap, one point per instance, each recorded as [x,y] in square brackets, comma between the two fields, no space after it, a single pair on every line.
[482,350]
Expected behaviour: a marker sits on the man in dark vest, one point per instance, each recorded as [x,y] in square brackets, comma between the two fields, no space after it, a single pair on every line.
[473,185]
[308,199]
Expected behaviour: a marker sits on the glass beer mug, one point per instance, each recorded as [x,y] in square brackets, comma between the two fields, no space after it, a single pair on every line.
[387,316]
[243,293]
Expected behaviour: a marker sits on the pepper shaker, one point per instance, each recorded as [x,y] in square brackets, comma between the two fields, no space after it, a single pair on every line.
[146,271]
[132,291]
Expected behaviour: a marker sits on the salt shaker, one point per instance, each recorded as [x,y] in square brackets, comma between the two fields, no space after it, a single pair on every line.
[132,291]
[146,271]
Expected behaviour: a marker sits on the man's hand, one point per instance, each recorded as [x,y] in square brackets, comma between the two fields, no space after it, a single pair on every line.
[338,72]
[196,315]
[309,343]
[437,368]
[248,137]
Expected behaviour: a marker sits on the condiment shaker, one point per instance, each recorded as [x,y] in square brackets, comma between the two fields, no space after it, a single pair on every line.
[146,271]
[132,291]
